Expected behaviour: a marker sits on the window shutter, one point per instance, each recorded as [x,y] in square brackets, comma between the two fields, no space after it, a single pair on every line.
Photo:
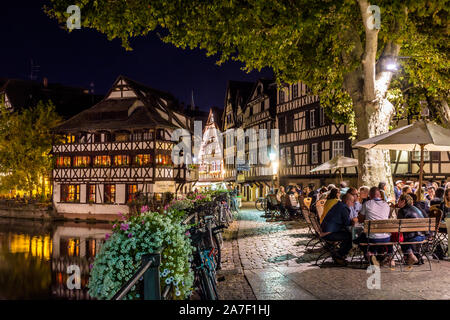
[348,148]
[307,119]
[319,151]
[317,117]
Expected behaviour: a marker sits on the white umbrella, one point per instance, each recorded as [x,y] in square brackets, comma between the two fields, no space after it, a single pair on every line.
[421,135]
[337,162]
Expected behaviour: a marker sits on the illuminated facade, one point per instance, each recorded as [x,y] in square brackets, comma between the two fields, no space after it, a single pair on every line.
[117,148]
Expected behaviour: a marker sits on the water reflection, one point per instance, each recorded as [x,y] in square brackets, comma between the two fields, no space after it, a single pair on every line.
[34,257]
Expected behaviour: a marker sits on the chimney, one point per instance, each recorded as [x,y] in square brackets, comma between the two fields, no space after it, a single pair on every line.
[45,82]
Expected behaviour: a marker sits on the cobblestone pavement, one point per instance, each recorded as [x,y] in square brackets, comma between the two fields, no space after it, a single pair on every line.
[234,285]
[274,261]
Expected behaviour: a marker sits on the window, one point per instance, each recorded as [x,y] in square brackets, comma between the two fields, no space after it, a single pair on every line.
[163,159]
[229,119]
[312,118]
[251,110]
[81,161]
[148,135]
[63,162]
[121,137]
[262,106]
[121,160]
[102,161]
[132,190]
[70,138]
[294,91]
[288,156]
[314,153]
[142,159]
[110,193]
[281,96]
[338,148]
[321,117]
[416,156]
[70,193]
[91,193]
[137,136]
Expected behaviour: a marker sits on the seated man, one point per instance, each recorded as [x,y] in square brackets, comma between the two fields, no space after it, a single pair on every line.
[376,209]
[408,211]
[334,227]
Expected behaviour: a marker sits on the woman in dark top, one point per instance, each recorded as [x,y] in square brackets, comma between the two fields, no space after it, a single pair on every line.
[408,211]
[445,205]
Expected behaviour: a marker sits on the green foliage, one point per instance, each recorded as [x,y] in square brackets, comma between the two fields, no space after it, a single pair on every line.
[319,42]
[25,144]
[120,256]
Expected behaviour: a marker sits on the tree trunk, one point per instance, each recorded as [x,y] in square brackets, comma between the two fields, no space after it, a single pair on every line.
[374,164]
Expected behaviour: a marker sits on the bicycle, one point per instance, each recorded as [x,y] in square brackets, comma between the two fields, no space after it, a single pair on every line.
[261,204]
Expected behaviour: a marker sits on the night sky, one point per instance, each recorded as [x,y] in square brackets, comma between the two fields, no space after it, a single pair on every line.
[86,56]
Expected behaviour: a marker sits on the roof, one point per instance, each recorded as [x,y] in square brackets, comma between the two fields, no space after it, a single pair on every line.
[236,90]
[68,100]
[137,107]
[217,116]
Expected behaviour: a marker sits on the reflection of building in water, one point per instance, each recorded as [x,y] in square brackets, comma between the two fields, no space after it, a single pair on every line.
[39,246]
[75,244]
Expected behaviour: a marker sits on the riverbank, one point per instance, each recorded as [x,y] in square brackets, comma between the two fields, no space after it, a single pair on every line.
[47,213]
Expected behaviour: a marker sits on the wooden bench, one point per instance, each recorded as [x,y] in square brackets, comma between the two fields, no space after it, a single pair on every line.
[426,225]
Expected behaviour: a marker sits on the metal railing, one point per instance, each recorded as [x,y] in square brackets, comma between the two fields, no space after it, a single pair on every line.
[149,272]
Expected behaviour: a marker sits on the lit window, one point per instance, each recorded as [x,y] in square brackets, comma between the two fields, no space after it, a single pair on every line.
[70,138]
[142,159]
[121,160]
[338,148]
[81,161]
[314,153]
[163,159]
[62,162]
[110,193]
[102,161]
[132,190]
[91,193]
[70,193]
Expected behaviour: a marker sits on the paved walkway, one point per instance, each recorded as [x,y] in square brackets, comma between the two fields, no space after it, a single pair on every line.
[275,264]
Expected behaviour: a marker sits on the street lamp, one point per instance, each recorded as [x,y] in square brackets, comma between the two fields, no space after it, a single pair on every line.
[274,162]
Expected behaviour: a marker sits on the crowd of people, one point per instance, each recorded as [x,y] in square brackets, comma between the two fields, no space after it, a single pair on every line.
[340,207]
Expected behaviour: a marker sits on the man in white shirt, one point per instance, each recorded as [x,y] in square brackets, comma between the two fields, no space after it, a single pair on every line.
[376,209]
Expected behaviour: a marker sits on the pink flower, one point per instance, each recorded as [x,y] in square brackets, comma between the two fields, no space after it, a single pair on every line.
[166,206]
[130,235]
[114,225]
[107,236]
[124,226]
[143,221]
[144,209]
[91,266]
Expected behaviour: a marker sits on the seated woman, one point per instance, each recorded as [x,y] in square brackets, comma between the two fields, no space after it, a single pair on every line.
[332,200]
[445,205]
[407,211]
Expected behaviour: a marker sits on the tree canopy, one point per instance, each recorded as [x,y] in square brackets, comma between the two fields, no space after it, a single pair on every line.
[25,144]
[317,41]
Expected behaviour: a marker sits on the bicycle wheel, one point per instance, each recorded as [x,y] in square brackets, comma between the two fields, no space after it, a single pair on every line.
[217,237]
[260,204]
[208,285]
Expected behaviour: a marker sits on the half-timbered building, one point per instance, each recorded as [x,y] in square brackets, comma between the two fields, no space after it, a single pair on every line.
[405,165]
[211,150]
[259,113]
[236,97]
[117,148]
[308,138]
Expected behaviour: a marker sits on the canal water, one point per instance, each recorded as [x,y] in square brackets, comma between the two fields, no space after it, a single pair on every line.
[35,257]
